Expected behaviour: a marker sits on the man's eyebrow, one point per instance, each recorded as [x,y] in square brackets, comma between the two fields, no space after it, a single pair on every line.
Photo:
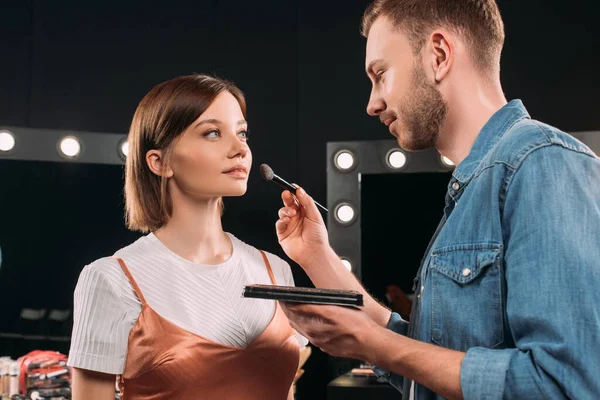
[370,67]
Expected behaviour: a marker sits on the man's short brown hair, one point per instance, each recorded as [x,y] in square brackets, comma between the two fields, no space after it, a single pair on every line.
[479,22]
[161,117]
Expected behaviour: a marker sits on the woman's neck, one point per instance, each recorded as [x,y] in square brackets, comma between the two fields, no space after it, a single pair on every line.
[195,233]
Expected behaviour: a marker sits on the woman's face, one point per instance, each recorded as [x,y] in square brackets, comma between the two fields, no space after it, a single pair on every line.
[212,158]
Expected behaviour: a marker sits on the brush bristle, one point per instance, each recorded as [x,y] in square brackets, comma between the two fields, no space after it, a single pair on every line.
[266,172]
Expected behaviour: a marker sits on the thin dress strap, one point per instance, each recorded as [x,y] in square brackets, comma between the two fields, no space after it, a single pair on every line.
[134,284]
[268,264]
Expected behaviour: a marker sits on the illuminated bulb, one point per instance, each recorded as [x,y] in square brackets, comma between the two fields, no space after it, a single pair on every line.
[347,264]
[447,161]
[396,159]
[70,146]
[125,148]
[7,141]
[345,213]
[344,160]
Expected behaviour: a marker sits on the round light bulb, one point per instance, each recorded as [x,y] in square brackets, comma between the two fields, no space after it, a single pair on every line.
[396,159]
[70,146]
[344,160]
[345,213]
[447,161]
[347,264]
[7,141]
[125,148]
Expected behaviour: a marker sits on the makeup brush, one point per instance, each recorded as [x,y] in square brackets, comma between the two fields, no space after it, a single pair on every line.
[269,175]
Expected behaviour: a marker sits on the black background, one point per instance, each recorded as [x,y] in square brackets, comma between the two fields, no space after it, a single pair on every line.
[86,65]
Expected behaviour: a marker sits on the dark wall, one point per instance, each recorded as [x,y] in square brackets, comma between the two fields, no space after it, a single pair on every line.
[86,65]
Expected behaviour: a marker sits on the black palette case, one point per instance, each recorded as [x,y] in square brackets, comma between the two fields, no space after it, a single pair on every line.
[294,294]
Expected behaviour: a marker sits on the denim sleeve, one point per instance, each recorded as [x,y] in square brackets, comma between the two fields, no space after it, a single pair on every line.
[551,228]
[400,326]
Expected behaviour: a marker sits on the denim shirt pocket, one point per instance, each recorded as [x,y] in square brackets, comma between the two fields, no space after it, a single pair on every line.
[466,296]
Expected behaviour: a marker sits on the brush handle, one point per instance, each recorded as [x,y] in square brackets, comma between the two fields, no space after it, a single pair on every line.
[288,186]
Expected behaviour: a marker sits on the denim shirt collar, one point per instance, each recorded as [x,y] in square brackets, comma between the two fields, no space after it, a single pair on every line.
[491,133]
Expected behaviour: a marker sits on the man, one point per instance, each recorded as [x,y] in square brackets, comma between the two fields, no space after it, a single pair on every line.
[507,295]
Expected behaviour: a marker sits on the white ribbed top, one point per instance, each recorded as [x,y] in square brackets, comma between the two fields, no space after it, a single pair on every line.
[203,299]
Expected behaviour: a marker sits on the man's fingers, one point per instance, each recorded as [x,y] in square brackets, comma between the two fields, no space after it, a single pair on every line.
[286,212]
[281,225]
[288,199]
[312,212]
[308,312]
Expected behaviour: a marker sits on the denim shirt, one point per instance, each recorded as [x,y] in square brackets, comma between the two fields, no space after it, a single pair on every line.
[512,276]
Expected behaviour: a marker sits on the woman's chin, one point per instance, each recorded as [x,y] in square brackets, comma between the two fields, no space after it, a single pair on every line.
[236,192]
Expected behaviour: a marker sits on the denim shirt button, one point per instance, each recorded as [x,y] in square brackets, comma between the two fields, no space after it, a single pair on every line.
[466,272]
[455,186]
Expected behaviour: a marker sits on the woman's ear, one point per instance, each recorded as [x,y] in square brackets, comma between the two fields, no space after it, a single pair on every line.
[442,54]
[156,162]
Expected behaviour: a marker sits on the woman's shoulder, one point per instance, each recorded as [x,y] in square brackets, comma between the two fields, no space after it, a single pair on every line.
[109,265]
[105,268]
[104,279]
[141,246]
[106,273]
[253,255]
[249,250]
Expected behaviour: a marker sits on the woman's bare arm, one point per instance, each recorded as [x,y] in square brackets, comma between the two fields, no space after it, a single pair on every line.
[92,385]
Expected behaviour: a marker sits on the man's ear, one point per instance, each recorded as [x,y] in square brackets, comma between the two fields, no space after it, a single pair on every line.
[441,49]
[156,163]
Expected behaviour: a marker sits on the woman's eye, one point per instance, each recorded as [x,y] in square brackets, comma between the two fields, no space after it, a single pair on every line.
[244,134]
[211,134]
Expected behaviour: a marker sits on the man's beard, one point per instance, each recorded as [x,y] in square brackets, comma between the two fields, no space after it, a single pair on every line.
[422,113]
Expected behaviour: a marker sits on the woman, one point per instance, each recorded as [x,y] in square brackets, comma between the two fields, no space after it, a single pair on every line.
[165,314]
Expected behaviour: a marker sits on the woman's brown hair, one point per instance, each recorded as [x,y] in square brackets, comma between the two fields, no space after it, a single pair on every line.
[161,117]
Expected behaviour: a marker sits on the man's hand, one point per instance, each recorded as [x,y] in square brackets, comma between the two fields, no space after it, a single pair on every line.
[300,229]
[339,331]
[302,235]
[350,333]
